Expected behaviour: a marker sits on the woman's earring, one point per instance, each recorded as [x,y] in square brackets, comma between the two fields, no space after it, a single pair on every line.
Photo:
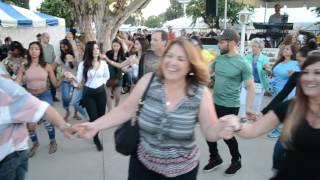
[191,74]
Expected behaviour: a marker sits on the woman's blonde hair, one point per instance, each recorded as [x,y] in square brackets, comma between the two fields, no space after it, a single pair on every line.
[299,107]
[199,70]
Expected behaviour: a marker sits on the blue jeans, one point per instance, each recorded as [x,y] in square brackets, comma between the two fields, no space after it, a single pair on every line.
[14,166]
[278,154]
[47,97]
[77,95]
[66,93]
[129,78]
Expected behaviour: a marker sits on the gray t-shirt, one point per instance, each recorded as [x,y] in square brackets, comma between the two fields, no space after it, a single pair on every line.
[275,18]
[48,53]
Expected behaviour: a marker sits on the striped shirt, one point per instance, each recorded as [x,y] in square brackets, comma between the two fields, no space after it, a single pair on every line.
[167,139]
[17,107]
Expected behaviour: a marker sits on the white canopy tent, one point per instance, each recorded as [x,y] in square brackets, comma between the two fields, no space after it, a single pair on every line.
[185,22]
[23,25]
[129,27]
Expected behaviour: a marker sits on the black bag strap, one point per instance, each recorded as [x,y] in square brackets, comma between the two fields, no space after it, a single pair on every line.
[145,91]
[144,95]
[141,102]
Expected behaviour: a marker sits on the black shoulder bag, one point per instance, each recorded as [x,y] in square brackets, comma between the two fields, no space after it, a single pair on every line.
[126,137]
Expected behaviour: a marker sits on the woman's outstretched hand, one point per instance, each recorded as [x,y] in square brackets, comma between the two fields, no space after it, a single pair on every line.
[87,130]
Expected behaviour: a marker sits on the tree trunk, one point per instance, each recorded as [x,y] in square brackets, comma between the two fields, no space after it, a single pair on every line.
[85,26]
[82,11]
[107,20]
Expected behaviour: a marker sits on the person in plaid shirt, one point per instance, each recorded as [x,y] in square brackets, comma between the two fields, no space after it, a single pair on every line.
[17,107]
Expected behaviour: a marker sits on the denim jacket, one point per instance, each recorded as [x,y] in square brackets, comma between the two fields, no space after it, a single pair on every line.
[262,60]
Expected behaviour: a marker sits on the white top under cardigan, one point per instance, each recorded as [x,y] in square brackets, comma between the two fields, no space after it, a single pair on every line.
[95,77]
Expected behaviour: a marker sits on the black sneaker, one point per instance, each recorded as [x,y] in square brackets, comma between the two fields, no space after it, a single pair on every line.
[233,168]
[213,164]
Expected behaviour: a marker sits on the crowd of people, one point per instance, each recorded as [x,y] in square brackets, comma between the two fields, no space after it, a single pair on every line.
[187,86]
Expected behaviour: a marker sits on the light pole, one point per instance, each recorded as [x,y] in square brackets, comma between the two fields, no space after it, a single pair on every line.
[225,14]
[244,18]
[184,3]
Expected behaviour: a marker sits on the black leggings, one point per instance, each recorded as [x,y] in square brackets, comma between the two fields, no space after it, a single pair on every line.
[137,171]
[94,100]
[231,143]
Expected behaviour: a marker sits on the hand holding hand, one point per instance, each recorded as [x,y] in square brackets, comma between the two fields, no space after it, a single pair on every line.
[87,130]
[69,130]
[231,123]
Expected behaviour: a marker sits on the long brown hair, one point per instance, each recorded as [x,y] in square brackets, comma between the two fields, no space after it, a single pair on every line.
[88,58]
[42,62]
[299,107]
[198,66]
[281,57]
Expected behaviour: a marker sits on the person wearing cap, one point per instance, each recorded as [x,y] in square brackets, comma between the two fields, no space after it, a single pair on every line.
[231,71]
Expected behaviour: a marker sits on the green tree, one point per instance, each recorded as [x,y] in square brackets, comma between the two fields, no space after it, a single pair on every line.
[317,10]
[107,15]
[135,19]
[153,22]
[20,3]
[197,9]
[59,8]
[131,20]
[174,11]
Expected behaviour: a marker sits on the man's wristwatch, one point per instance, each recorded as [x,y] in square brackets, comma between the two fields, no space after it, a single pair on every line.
[64,126]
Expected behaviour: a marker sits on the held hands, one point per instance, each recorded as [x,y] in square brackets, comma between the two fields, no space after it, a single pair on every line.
[231,124]
[87,130]
[84,130]
[69,130]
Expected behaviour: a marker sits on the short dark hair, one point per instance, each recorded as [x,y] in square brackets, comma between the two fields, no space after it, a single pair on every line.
[38,35]
[164,34]
[17,45]
[8,38]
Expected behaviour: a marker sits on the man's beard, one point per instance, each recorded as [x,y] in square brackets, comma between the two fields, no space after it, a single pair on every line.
[224,51]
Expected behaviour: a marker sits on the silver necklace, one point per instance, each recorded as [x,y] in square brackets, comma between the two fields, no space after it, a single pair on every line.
[167,101]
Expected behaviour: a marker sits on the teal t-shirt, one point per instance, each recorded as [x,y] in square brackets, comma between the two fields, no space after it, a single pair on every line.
[230,72]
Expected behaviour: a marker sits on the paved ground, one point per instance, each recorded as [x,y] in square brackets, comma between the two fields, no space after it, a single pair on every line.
[78,159]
